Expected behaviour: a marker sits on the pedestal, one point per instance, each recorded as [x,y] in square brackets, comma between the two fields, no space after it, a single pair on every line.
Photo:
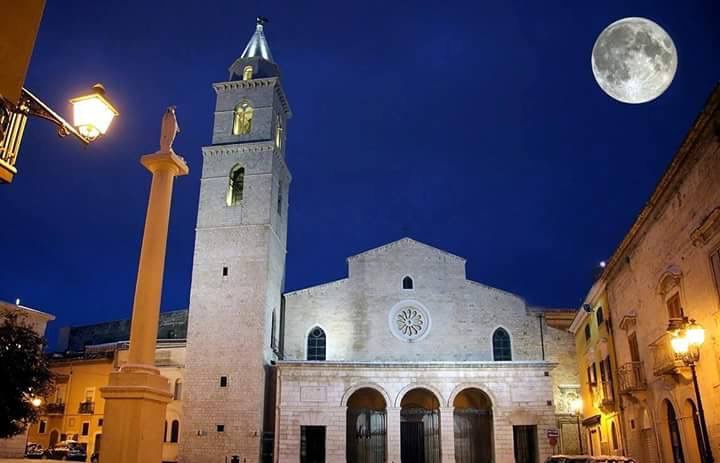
[136,398]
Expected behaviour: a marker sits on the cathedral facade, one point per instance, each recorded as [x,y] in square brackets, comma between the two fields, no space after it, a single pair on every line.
[406,359]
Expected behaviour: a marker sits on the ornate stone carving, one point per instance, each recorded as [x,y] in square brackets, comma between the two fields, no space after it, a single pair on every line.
[409,321]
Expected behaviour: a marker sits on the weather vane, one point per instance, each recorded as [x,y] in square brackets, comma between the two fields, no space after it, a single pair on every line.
[261,20]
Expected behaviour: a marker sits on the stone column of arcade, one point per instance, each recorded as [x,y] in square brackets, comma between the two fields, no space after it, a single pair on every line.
[137,395]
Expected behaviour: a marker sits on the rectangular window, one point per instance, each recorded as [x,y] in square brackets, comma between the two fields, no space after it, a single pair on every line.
[223,381]
[674,307]
[633,345]
[85,428]
[587,332]
[715,261]
[225,271]
[279,199]
[100,421]
[42,426]
[608,369]
[89,394]
[312,444]
[600,316]
[602,371]
[220,428]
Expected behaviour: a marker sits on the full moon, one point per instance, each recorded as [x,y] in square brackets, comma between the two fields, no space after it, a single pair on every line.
[634,60]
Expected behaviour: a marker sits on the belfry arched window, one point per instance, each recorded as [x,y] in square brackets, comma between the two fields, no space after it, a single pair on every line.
[236,184]
[316,344]
[242,118]
[501,345]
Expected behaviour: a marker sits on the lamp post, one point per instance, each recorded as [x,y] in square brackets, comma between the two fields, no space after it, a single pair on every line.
[92,115]
[686,342]
[577,405]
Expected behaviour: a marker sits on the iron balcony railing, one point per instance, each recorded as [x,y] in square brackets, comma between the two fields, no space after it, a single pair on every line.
[57,408]
[87,407]
[632,377]
[664,361]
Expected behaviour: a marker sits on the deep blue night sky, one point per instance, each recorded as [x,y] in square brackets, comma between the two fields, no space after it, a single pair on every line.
[476,127]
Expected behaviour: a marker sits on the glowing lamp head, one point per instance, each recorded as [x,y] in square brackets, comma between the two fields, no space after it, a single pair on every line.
[93,113]
[36,401]
[576,405]
[695,334]
[679,342]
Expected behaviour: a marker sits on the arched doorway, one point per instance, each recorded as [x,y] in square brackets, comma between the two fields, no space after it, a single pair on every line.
[674,431]
[419,427]
[473,427]
[53,438]
[366,427]
[696,445]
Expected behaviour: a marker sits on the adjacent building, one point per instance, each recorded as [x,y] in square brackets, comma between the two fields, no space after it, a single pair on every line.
[602,425]
[665,271]
[87,355]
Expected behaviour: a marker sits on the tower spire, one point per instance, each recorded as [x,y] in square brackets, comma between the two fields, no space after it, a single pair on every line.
[258,45]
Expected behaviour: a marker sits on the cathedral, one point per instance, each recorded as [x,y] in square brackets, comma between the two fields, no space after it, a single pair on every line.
[405,359]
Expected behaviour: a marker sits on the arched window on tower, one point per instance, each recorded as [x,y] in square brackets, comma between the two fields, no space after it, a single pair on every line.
[242,118]
[279,132]
[247,73]
[316,344]
[407,283]
[174,431]
[236,185]
[501,345]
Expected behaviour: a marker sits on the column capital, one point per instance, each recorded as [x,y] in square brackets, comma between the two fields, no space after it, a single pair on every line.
[165,161]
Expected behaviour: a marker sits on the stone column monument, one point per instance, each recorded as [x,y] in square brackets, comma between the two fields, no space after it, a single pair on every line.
[136,396]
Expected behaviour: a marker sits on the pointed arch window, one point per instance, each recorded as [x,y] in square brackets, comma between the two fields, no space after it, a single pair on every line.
[501,345]
[316,344]
[242,118]
[236,185]
[407,283]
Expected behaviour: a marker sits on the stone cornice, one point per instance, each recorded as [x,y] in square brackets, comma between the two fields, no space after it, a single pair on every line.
[532,364]
[257,83]
[231,148]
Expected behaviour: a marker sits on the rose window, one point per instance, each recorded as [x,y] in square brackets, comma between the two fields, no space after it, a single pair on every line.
[409,321]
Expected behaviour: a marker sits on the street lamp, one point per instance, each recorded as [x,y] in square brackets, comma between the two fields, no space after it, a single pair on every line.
[577,406]
[686,343]
[93,114]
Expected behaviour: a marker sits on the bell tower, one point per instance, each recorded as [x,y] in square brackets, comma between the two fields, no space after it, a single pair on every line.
[239,266]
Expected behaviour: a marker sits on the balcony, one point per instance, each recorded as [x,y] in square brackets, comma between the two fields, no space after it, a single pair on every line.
[664,361]
[57,408]
[631,377]
[87,408]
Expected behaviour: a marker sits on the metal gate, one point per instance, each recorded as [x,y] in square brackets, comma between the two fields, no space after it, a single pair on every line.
[366,432]
[419,436]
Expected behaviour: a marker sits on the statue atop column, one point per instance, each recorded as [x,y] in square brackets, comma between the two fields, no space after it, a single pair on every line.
[168,129]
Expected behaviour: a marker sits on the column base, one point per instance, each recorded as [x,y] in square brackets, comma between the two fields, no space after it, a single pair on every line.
[136,398]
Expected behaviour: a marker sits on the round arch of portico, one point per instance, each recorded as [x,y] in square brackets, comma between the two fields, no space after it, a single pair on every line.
[410,387]
[352,390]
[480,387]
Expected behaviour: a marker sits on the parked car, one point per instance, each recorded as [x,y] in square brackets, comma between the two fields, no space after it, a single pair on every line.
[33,450]
[589,459]
[68,450]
